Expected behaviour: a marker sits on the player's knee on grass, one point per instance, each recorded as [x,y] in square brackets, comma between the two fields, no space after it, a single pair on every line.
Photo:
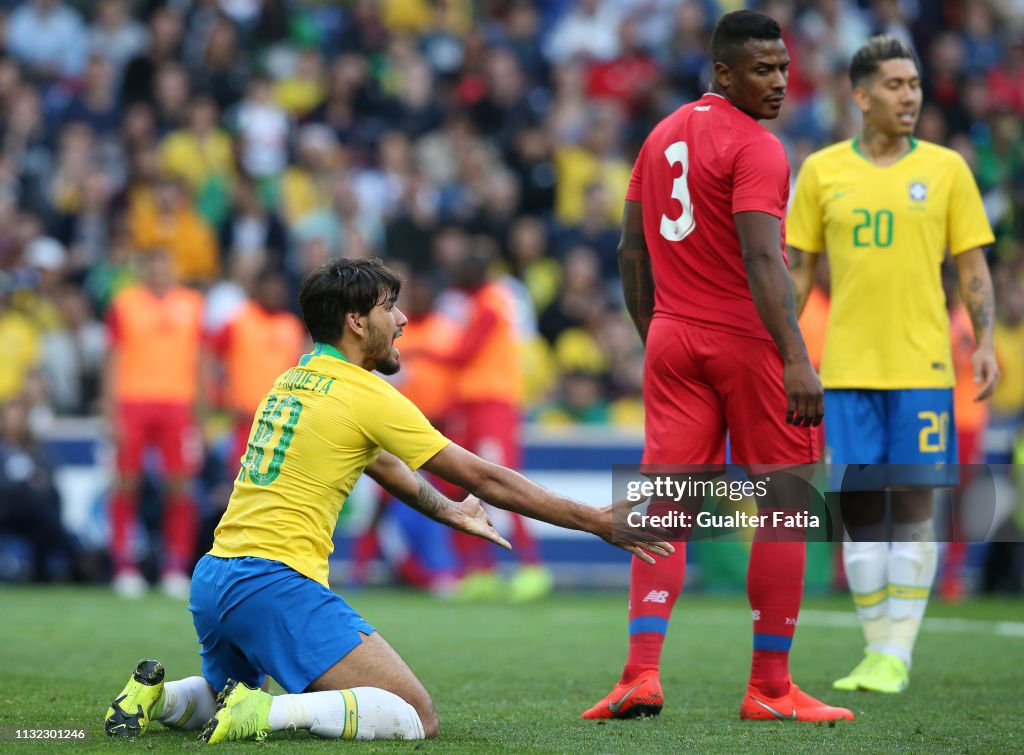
[424,706]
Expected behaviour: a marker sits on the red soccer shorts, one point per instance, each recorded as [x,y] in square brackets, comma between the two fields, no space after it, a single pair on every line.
[169,427]
[490,429]
[700,384]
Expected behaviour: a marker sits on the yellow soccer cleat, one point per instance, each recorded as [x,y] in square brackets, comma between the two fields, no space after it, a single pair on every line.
[851,681]
[530,583]
[479,587]
[889,674]
[139,702]
[878,672]
[243,712]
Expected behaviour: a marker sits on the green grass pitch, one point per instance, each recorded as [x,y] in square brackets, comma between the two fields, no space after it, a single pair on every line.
[514,679]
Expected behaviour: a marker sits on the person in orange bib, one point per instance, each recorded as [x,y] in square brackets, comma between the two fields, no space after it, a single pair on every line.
[487,394]
[263,340]
[151,387]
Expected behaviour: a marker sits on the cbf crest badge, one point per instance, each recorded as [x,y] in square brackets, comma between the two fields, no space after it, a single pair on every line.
[918,191]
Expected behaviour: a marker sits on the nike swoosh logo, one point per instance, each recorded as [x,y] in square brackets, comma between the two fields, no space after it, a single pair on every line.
[770,709]
[841,194]
[614,707]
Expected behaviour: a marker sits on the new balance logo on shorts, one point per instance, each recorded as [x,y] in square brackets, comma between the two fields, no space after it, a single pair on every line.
[656,596]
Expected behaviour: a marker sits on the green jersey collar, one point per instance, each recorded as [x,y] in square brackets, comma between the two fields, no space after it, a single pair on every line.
[322,350]
[856,148]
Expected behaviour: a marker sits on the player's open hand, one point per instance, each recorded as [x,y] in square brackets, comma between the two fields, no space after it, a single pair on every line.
[805,399]
[645,543]
[986,371]
[472,518]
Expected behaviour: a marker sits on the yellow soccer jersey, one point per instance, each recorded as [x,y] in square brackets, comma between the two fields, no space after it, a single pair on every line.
[316,431]
[886,231]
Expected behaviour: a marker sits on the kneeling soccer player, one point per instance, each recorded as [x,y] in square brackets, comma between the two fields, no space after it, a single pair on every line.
[259,599]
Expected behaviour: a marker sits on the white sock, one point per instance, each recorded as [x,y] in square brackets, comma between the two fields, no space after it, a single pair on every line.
[188,704]
[912,566]
[357,713]
[867,573]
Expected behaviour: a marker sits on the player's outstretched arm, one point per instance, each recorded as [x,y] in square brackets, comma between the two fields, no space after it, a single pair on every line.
[635,269]
[773,296]
[802,266]
[977,293]
[511,491]
[392,474]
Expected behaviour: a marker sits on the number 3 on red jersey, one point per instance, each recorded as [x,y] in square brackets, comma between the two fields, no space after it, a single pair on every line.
[681,227]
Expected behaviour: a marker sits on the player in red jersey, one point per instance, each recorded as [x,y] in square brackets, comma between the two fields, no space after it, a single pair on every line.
[704,275]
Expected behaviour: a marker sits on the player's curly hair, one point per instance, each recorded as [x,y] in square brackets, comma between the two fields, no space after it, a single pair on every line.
[341,286]
[878,49]
[734,29]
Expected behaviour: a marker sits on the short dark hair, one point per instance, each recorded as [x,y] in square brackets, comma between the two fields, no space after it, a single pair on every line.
[734,29]
[878,49]
[341,286]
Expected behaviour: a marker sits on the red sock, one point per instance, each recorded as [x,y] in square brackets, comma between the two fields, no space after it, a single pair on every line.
[122,522]
[775,583]
[181,527]
[652,593]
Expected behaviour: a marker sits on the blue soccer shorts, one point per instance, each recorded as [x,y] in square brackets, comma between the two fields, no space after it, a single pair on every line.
[256,617]
[907,436]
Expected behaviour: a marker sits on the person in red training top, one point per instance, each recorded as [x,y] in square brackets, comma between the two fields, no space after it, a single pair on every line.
[263,340]
[151,391]
[485,417]
[705,281]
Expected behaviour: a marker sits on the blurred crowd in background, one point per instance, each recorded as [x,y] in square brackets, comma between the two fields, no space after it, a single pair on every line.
[254,139]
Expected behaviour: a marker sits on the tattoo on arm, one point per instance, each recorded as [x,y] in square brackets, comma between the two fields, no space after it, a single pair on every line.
[981,305]
[428,500]
[637,280]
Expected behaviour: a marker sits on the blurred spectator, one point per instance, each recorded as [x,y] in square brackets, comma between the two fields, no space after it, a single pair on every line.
[73,354]
[169,222]
[116,36]
[49,38]
[202,154]
[221,71]
[588,30]
[251,230]
[262,128]
[30,505]
[581,297]
[87,230]
[598,158]
[302,89]
[96,104]
[171,91]
[581,400]
[20,343]
[165,31]
[595,230]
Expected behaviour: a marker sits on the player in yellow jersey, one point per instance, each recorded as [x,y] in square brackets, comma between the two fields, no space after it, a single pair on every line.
[260,600]
[886,207]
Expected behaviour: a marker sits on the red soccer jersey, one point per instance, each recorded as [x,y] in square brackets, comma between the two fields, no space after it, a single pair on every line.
[699,167]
